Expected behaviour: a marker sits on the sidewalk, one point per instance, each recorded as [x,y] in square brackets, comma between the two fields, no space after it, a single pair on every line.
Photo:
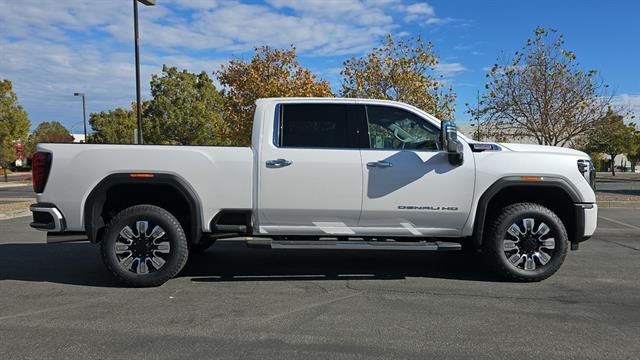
[15,209]
[11,184]
[626,204]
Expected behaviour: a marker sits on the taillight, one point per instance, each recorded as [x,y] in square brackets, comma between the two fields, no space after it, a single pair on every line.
[40,166]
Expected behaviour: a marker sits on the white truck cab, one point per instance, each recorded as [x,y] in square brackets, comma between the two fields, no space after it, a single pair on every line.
[321,173]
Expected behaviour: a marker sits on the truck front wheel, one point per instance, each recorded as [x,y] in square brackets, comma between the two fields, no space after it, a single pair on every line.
[144,245]
[526,242]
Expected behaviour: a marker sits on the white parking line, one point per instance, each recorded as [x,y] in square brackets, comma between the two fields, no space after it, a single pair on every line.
[621,223]
[45,310]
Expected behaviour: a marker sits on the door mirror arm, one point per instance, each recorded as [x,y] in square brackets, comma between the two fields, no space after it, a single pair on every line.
[450,143]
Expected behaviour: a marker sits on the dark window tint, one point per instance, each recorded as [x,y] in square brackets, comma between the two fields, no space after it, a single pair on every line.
[392,128]
[315,126]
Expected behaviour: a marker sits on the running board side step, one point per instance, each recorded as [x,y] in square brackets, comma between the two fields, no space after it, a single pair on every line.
[355,245]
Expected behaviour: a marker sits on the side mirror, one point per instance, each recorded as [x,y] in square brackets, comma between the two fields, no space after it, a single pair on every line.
[450,143]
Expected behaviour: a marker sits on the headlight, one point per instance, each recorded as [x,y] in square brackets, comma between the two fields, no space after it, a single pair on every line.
[588,171]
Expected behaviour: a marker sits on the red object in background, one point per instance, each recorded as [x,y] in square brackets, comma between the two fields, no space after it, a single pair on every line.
[19,149]
[40,167]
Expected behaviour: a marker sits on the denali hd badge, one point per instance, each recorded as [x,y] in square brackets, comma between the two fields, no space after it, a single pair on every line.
[431,208]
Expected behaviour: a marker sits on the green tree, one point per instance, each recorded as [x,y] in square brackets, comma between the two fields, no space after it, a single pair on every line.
[401,70]
[611,136]
[269,73]
[542,93]
[112,127]
[14,125]
[186,109]
[47,132]
[633,152]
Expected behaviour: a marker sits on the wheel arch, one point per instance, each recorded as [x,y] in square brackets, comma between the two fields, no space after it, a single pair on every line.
[94,221]
[553,192]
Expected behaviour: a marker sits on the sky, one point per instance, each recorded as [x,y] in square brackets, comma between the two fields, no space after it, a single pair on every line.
[51,49]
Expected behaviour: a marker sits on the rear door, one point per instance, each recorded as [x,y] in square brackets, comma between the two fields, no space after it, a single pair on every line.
[410,188]
[310,173]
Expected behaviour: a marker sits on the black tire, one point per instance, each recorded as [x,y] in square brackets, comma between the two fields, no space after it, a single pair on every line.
[494,246]
[174,258]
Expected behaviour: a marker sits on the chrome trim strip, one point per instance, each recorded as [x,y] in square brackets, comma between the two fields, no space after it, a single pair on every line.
[362,245]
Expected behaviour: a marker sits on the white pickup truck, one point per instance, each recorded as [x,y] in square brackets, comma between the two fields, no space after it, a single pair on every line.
[322,173]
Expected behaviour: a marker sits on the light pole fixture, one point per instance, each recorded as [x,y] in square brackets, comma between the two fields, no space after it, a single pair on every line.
[478,136]
[137,38]
[84,114]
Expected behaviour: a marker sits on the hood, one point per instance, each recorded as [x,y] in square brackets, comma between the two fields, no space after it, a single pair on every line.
[544,149]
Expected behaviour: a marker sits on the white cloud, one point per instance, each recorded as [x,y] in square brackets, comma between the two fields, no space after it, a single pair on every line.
[195,4]
[630,103]
[45,76]
[438,21]
[52,49]
[423,13]
[420,9]
[448,70]
[356,11]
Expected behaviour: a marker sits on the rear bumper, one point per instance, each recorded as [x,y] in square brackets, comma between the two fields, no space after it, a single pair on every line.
[46,217]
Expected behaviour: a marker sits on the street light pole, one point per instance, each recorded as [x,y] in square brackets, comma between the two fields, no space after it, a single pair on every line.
[84,114]
[478,114]
[137,45]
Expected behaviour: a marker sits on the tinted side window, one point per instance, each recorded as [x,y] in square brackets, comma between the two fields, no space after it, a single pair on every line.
[394,129]
[315,126]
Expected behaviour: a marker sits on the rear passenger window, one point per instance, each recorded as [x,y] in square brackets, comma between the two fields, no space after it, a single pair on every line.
[315,126]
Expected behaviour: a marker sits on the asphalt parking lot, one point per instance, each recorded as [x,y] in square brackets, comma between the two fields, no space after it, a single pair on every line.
[233,302]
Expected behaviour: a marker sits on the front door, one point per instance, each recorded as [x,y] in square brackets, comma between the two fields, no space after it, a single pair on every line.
[310,175]
[410,188]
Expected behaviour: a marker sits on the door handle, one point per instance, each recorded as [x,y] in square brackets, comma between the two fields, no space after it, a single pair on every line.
[379,164]
[278,163]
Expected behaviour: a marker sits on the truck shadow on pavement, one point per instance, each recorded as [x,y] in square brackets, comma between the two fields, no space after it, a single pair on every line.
[80,264]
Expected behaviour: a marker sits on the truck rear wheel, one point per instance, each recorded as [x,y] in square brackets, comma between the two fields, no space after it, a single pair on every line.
[526,242]
[144,246]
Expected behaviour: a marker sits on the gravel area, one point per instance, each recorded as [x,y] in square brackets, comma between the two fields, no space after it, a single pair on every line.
[15,206]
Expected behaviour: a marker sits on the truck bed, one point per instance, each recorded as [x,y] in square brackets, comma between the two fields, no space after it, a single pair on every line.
[222,177]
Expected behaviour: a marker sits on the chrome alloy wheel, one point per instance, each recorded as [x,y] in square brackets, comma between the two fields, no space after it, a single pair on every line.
[141,252]
[526,248]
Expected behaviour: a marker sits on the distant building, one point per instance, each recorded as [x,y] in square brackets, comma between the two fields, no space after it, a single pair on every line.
[21,160]
[78,138]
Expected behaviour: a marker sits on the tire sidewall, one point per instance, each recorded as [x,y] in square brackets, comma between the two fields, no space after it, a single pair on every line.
[174,234]
[560,236]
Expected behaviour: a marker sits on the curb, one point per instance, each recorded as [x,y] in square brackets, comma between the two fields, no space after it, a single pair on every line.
[10,185]
[16,210]
[619,204]
[13,214]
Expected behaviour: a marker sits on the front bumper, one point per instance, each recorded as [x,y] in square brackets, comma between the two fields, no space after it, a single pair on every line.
[590,220]
[586,222]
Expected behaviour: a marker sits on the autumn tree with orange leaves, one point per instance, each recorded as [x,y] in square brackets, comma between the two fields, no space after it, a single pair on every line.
[269,73]
[400,70]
